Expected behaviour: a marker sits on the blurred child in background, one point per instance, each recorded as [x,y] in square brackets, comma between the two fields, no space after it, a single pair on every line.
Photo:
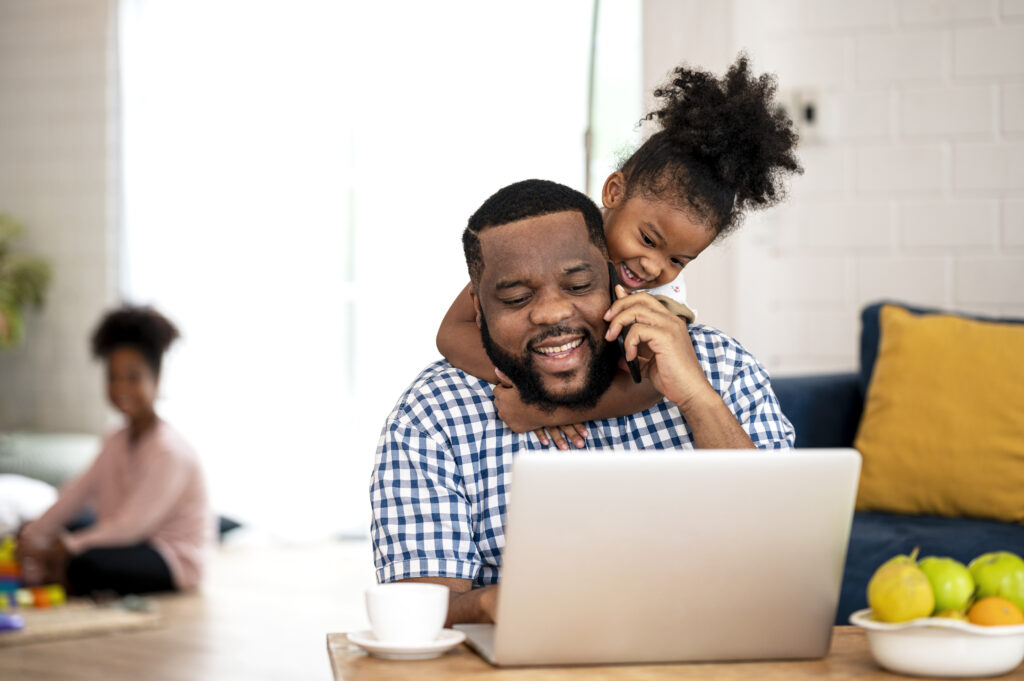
[153,521]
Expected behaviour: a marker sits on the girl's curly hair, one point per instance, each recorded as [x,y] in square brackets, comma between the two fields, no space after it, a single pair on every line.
[140,328]
[723,148]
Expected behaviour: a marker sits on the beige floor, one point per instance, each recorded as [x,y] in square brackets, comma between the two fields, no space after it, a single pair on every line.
[263,614]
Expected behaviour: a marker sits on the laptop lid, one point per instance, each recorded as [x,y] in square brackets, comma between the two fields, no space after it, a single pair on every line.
[669,556]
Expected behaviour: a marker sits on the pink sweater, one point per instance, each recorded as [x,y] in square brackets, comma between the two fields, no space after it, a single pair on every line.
[152,491]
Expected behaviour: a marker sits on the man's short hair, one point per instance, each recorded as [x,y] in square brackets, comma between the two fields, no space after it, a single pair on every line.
[527,199]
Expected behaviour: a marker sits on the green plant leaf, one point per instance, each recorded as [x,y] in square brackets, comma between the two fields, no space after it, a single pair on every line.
[31,278]
[24,281]
[12,327]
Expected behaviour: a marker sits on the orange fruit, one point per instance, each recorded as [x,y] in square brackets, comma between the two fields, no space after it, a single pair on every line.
[993,611]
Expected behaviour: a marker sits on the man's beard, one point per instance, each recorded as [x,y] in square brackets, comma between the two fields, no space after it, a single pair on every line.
[524,374]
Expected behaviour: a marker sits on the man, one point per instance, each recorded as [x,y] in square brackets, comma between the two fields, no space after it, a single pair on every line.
[537,263]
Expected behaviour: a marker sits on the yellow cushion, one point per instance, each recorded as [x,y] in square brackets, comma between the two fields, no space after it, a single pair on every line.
[943,425]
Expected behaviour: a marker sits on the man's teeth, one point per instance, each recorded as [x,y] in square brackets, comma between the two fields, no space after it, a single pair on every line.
[561,348]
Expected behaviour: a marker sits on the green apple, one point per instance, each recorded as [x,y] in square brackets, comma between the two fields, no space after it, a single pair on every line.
[999,573]
[951,582]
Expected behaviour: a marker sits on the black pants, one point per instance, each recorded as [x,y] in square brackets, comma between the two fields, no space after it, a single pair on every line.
[135,569]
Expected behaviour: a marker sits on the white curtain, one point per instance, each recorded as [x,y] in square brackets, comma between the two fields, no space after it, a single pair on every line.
[296,177]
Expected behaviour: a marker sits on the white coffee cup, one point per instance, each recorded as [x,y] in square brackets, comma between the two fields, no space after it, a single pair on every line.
[407,613]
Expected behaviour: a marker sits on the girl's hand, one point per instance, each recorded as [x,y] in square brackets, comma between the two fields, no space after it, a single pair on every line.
[522,417]
[516,414]
[42,561]
[563,435]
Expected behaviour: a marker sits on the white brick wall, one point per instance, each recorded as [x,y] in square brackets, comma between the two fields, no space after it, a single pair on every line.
[814,334]
[989,166]
[1013,109]
[809,278]
[990,51]
[862,226]
[901,169]
[948,225]
[1013,223]
[857,115]
[790,55]
[923,280]
[944,11]
[56,177]
[942,111]
[914,183]
[988,280]
[901,56]
[1013,9]
[818,16]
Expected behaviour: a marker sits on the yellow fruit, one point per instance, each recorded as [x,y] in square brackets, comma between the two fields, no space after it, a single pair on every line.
[900,591]
[953,615]
[993,611]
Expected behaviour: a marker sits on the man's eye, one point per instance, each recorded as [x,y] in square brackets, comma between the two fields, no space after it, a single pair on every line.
[647,240]
[579,288]
[513,302]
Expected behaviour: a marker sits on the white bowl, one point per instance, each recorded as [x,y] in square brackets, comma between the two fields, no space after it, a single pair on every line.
[941,646]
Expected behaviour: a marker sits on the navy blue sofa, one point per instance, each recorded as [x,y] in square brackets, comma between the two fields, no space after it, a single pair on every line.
[825,410]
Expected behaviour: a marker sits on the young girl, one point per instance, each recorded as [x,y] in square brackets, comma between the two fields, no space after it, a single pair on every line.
[723,148]
[153,522]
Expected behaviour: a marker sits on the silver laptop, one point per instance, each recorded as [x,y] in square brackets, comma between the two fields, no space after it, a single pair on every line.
[671,556]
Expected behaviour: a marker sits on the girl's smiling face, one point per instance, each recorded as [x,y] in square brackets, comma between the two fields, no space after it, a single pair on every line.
[650,241]
[131,383]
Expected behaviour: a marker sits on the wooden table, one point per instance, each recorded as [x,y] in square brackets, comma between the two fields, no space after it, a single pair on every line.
[848,658]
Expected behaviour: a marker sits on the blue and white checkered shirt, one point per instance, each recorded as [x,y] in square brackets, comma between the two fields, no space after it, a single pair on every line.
[440,483]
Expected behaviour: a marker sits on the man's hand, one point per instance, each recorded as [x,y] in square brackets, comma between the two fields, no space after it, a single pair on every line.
[675,371]
[673,366]
[465,603]
[488,599]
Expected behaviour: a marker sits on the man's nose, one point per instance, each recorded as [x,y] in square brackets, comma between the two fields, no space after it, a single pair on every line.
[550,307]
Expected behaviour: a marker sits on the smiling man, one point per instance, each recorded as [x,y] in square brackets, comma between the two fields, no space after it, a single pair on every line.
[545,297]
[537,263]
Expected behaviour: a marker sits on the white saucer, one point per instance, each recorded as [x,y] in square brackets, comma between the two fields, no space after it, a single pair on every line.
[446,640]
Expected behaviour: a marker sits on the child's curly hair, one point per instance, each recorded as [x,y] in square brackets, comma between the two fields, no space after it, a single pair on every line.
[140,328]
[723,148]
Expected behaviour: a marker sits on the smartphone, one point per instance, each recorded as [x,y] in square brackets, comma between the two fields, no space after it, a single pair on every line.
[634,365]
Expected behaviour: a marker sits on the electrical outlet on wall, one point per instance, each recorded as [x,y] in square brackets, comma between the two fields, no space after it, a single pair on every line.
[804,109]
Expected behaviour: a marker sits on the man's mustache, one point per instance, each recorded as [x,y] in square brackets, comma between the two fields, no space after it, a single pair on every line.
[555,331]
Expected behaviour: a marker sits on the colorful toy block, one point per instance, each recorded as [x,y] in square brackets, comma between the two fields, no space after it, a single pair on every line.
[13,593]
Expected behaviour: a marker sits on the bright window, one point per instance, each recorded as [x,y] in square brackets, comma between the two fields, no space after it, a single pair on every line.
[296,178]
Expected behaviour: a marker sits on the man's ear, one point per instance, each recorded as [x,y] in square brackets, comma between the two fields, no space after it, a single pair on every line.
[614,191]
[476,305]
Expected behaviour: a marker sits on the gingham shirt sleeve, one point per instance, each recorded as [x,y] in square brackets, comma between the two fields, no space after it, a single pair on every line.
[422,524]
[752,399]
[745,388]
